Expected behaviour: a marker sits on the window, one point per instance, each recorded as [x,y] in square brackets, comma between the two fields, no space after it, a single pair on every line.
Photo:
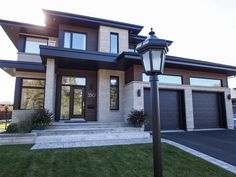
[114,43]
[32,44]
[205,82]
[32,94]
[75,40]
[114,93]
[165,79]
[74,81]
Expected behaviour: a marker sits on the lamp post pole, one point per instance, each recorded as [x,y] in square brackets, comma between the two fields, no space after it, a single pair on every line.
[157,161]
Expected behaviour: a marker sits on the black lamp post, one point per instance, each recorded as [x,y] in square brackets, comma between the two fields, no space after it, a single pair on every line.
[153,51]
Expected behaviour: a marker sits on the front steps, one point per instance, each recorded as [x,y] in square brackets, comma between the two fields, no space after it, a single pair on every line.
[65,135]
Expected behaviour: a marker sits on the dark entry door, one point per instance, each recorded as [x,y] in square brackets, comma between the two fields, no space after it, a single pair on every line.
[171,109]
[208,110]
[77,102]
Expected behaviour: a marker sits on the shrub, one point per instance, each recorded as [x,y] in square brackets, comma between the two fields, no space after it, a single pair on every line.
[42,118]
[137,118]
[12,128]
[24,126]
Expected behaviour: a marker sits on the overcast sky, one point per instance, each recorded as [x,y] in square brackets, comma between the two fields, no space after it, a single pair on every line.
[200,29]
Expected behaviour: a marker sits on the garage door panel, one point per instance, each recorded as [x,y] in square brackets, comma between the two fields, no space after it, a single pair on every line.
[206,110]
[170,107]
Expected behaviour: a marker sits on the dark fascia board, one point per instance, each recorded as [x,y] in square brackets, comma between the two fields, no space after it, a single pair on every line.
[57,52]
[20,24]
[183,62]
[22,65]
[93,20]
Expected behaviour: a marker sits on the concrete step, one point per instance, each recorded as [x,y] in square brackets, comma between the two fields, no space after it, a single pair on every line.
[62,125]
[82,130]
[92,143]
[91,137]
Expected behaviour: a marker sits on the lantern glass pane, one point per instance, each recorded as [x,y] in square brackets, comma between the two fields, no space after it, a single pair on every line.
[156,60]
[146,61]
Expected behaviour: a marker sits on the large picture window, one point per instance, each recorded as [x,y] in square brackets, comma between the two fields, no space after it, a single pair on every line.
[32,94]
[114,93]
[75,40]
[114,43]
[32,44]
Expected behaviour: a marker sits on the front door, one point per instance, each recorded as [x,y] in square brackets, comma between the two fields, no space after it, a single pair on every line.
[77,102]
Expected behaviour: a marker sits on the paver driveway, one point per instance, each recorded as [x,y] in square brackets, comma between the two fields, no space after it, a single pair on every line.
[220,144]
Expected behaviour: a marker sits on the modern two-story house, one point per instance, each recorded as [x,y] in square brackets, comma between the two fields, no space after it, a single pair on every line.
[85,68]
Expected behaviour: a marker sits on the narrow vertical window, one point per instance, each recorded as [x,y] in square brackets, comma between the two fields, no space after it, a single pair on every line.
[67,39]
[114,43]
[114,93]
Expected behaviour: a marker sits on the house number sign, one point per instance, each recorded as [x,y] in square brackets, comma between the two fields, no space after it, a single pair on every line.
[91,95]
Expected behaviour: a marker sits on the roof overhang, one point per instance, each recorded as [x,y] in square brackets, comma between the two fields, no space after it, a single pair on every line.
[14,29]
[55,17]
[11,67]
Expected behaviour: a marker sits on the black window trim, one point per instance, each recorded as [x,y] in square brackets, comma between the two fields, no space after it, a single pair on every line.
[194,77]
[117,34]
[29,87]
[118,95]
[71,39]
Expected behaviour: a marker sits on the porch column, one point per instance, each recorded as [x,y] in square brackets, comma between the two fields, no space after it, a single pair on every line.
[228,110]
[50,87]
[189,109]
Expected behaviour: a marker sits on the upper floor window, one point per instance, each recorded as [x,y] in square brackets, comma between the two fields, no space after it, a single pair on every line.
[205,82]
[75,40]
[165,79]
[32,44]
[114,43]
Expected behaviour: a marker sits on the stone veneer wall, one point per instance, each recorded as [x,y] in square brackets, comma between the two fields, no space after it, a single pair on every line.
[104,114]
[131,100]
[104,39]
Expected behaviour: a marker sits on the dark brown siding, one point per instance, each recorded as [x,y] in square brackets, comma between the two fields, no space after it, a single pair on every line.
[92,35]
[91,87]
[134,73]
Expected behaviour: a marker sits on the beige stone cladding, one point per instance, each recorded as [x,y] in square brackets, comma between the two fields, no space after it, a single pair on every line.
[104,39]
[132,101]
[28,57]
[50,88]
[20,115]
[104,114]
[24,74]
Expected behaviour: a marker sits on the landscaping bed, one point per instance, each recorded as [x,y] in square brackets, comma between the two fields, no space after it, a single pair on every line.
[111,161]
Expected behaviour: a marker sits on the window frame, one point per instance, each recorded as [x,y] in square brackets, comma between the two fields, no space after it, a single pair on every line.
[71,39]
[30,87]
[117,42]
[205,78]
[181,77]
[118,95]
[35,37]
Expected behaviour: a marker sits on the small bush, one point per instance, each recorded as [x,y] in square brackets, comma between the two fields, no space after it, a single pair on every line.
[24,126]
[12,128]
[42,118]
[137,118]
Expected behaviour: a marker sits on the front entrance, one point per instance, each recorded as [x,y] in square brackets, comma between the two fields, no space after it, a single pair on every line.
[77,102]
[72,98]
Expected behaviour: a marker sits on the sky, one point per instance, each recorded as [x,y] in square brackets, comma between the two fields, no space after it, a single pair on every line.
[200,29]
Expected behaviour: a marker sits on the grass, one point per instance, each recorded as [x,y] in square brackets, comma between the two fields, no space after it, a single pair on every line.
[113,161]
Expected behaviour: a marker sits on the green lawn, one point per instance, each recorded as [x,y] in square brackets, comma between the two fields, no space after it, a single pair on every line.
[113,161]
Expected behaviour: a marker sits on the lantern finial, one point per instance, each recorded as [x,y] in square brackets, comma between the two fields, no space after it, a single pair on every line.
[151,33]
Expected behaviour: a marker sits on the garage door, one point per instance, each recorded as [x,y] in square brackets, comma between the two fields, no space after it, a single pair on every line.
[171,109]
[208,110]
